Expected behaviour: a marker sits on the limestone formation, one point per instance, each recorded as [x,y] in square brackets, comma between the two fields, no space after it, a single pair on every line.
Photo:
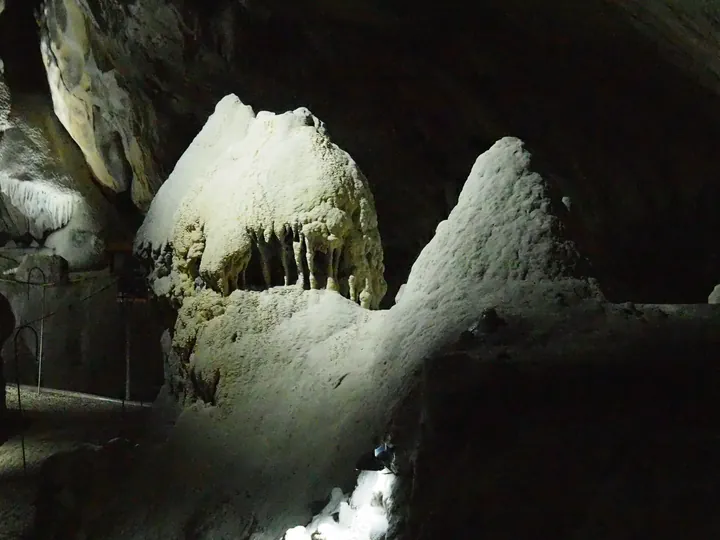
[47,190]
[501,196]
[134,82]
[272,190]
[275,374]
[4,101]
[108,121]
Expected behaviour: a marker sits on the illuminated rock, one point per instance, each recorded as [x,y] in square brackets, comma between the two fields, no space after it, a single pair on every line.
[272,190]
[47,189]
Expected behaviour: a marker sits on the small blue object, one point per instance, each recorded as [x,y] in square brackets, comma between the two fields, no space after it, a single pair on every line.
[382,449]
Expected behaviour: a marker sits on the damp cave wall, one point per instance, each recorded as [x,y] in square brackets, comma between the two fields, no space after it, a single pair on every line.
[415,94]
[7,324]
[611,438]
[84,337]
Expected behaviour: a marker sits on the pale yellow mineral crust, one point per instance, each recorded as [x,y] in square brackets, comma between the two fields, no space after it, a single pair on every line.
[281,192]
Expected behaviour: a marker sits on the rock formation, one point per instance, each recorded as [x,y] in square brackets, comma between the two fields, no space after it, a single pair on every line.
[714,297]
[154,72]
[281,381]
[273,191]
[104,117]
[4,101]
[47,190]
[276,374]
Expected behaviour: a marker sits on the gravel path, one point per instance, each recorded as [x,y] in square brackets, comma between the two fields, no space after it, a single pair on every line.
[57,423]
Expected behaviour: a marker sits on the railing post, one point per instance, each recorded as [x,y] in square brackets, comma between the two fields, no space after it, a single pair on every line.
[18,332]
[39,347]
[126,312]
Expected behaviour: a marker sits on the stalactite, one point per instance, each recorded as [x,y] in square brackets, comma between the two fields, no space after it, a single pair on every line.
[310,257]
[284,256]
[332,284]
[298,246]
[353,291]
[264,253]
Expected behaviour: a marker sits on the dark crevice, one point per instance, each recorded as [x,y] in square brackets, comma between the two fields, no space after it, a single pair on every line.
[320,262]
[20,47]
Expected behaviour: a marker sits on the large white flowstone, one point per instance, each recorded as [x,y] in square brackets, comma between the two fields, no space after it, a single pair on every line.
[510,229]
[271,186]
[304,381]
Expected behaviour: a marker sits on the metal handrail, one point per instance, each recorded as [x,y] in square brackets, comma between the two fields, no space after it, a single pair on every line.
[84,395]
[18,333]
[39,352]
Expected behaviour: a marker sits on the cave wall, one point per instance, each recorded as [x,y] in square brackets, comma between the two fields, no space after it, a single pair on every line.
[7,323]
[572,444]
[414,96]
[84,337]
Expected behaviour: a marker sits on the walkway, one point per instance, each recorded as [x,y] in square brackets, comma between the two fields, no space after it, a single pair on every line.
[57,423]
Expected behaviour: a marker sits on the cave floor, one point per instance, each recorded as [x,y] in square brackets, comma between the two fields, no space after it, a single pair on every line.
[56,424]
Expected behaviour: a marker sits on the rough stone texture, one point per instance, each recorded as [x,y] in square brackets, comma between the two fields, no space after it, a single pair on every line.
[504,193]
[41,268]
[687,32]
[4,101]
[714,297]
[47,190]
[83,336]
[269,377]
[262,201]
[413,94]
[562,432]
[113,123]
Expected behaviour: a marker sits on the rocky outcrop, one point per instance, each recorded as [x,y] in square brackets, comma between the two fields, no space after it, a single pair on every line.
[4,101]
[47,191]
[277,374]
[107,115]
[503,194]
[631,147]
[260,201]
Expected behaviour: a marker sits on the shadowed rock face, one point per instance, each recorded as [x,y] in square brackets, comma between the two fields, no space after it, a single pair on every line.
[615,442]
[7,325]
[414,94]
